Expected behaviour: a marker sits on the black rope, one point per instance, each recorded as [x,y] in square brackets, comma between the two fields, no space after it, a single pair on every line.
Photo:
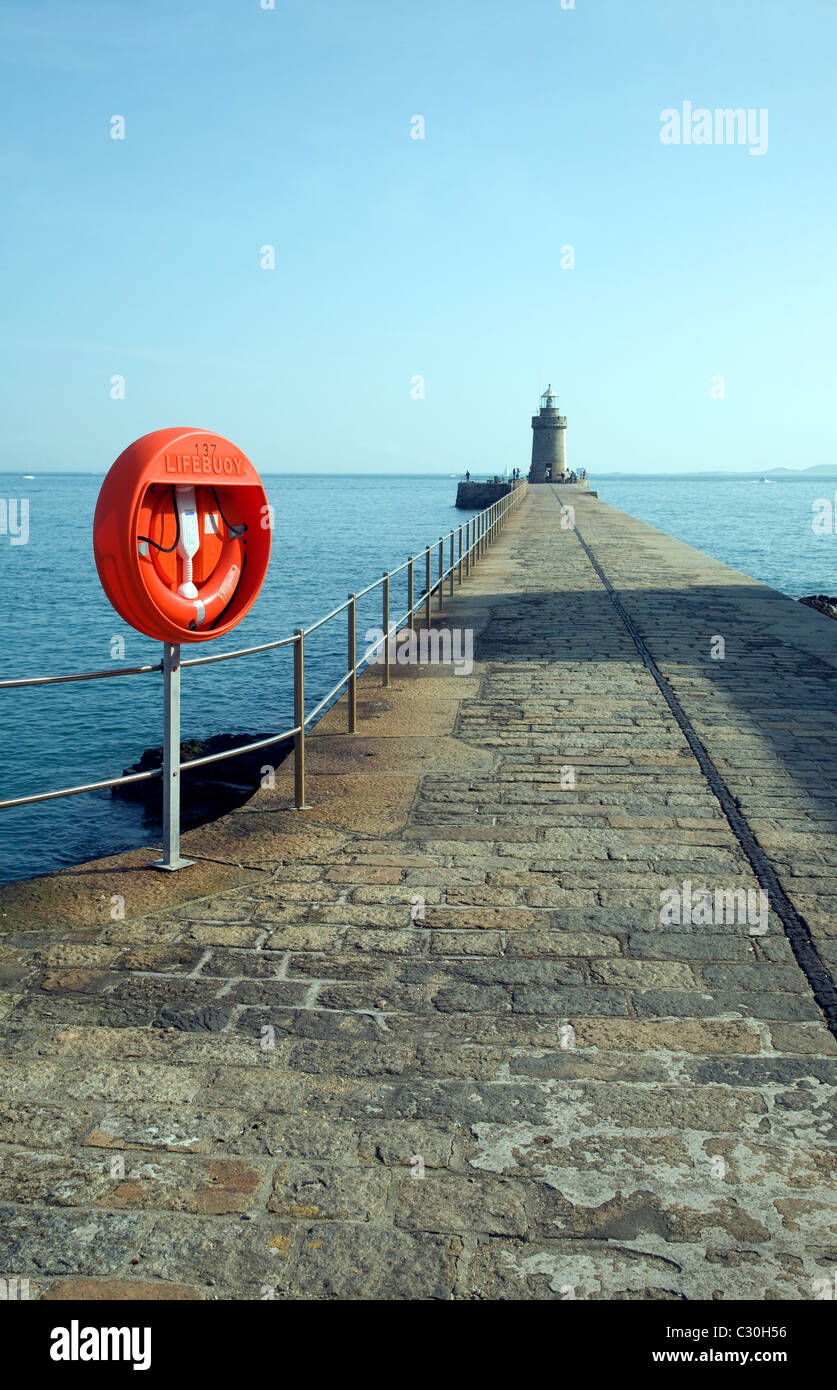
[167,549]
[234,530]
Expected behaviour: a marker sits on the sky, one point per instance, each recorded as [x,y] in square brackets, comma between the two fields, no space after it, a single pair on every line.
[680,298]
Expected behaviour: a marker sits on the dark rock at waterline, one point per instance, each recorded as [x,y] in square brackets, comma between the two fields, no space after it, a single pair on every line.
[210,791]
[822,603]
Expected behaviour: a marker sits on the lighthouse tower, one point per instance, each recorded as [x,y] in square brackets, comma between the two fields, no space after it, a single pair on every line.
[549,435]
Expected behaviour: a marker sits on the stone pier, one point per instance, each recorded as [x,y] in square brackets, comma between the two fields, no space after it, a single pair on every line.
[470,1026]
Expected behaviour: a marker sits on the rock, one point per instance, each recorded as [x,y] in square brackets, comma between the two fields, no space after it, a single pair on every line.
[822,603]
[210,791]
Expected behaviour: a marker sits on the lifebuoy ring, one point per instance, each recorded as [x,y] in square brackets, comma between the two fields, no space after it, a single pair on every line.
[181,535]
[193,589]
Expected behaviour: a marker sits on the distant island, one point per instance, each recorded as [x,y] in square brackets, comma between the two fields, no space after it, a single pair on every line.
[817,470]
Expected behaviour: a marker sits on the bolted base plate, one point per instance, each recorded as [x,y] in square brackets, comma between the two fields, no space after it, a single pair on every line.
[178,864]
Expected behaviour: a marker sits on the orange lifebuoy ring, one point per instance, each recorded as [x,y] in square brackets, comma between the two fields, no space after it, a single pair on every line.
[214,571]
[182,535]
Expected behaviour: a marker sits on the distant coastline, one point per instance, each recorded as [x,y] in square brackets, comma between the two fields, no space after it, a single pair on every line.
[817,472]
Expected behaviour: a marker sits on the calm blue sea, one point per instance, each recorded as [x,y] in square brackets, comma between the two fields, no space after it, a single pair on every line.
[331,535]
[761,528]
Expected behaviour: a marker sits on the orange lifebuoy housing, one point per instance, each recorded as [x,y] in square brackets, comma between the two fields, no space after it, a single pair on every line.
[181,535]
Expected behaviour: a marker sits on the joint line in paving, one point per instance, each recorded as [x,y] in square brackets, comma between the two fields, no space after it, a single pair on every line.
[796,928]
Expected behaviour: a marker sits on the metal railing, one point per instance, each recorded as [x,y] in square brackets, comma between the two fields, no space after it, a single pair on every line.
[473,538]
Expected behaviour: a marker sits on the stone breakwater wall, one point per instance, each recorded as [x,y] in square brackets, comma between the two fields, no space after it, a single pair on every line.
[475,496]
[435,1037]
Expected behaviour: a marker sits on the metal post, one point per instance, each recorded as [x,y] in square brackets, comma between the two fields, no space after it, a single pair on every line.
[410,591]
[460,556]
[171,761]
[428,585]
[441,570]
[352,611]
[468,548]
[299,720]
[385,626]
[451,564]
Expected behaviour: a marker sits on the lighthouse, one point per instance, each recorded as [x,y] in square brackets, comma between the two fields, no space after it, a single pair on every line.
[549,435]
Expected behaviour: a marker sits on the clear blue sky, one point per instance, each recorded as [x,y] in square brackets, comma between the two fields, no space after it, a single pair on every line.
[397,257]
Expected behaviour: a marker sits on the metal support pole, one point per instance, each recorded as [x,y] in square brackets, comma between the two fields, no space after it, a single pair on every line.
[171,761]
[385,626]
[410,591]
[441,570]
[460,556]
[468,548]
[428,586]
[299,720]
[352,611]
[451,564]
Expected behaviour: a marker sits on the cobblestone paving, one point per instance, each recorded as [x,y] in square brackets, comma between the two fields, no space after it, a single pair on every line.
[462,1056]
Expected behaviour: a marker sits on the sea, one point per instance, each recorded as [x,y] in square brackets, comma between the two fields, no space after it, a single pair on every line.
[332,535]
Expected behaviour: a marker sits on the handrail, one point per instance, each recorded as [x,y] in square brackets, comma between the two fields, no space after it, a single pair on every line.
[81,676]
[481,530]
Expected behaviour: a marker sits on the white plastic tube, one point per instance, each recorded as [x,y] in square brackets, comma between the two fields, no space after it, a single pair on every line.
[189,542]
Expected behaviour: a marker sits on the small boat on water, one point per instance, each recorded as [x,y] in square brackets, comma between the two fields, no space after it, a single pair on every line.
[765,480]
[27,475]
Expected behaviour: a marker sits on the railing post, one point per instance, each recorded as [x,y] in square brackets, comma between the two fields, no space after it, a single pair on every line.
[410,591]
[451,564]
[385,626]
[171,761]
[352,611]
[428,586]
[459,577]
[299,720]
[441,570]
